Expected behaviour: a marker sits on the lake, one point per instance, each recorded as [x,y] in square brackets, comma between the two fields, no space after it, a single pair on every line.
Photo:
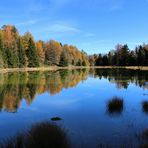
[97,107]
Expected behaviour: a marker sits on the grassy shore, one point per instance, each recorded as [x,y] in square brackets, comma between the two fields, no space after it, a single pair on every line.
[50,68]
[53,68]
[123,67]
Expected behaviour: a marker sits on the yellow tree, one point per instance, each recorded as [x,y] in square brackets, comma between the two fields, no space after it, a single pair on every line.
[53,52]
[10,42]
[40,51]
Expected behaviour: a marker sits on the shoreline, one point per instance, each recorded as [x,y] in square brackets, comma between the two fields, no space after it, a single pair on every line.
[143,68]
[54,68]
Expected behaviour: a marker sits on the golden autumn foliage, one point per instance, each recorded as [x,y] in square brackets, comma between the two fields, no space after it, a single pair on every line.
[18,86]
[24,51]
[27,85]
[40,51]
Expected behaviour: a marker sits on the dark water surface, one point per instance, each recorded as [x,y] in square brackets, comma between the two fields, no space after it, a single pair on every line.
[83,100]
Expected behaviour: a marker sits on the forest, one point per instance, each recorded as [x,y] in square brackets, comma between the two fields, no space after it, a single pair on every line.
[18,51]
[122,56]
[21,51]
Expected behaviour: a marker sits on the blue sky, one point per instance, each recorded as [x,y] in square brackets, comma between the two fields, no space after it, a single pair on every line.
[93,25]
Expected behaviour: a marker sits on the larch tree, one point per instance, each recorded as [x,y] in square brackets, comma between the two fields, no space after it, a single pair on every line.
[10,45]
[2,65]
[54,52]
[40,51]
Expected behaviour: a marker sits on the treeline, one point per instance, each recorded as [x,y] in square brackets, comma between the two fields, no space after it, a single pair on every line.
[122,56]
[23,51]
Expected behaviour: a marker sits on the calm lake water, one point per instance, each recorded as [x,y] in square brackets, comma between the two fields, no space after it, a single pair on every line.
[81,98]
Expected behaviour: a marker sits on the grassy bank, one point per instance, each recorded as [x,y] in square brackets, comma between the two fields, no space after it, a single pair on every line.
[53,68]
[123,67]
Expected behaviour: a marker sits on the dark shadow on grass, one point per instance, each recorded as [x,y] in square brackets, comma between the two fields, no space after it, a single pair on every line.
[115,106]
[42,135]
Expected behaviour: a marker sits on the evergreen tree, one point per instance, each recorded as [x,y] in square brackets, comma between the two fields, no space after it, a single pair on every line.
[140,56]
[132,59]
[21,54]
[84,63]
[146,55]
[105,60]
[78,63]
[32,54]
[1,60]
[2,52]
[10,60]
[110,58]
[15,58]
[125,56]
[63,59]
[99,61]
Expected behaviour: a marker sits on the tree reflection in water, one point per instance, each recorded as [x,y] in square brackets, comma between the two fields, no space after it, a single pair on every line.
[26,85]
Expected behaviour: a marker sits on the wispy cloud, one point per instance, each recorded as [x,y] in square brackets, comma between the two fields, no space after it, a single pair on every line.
[64,28]
[60,28]
[30,22]
[96,42]
[89,34]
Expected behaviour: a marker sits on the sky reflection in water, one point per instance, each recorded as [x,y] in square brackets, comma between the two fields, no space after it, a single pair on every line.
[80,98]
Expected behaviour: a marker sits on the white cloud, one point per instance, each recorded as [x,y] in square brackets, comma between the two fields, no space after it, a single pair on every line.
[30,22]
[60,28]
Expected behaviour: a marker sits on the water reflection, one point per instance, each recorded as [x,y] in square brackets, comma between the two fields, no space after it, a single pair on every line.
[26,85]
[122,78]
[115,106]
[41,135]
[143,138]
[80,109]
[52,135]
[17,86]
[145,107]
